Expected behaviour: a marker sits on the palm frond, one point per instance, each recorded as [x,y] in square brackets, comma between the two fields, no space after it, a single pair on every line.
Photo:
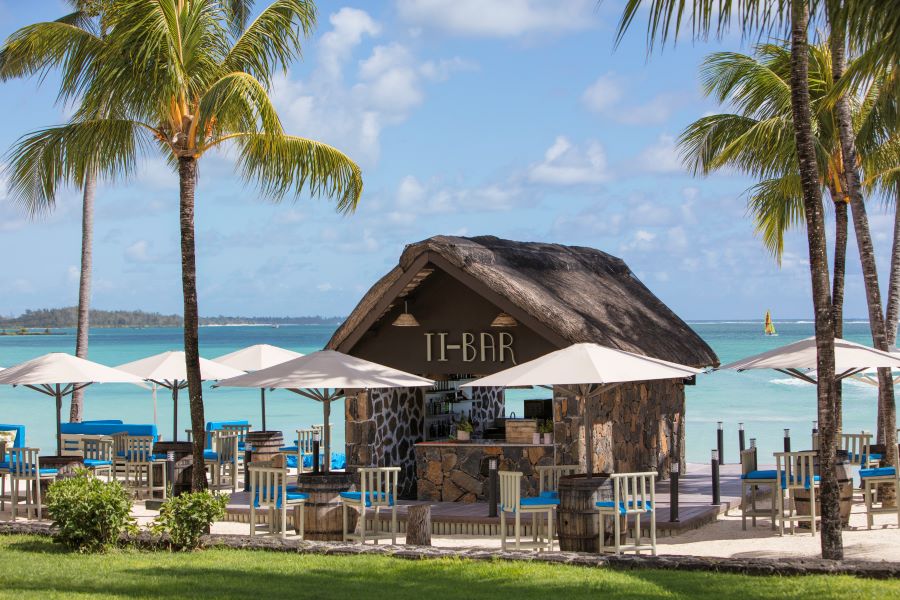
[776,206]
[38,48]
[272,41]
[238,13]
[42,161]
[283,165]
[237,102]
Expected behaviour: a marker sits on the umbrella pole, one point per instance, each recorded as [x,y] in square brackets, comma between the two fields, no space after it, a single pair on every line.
[588,436]
[175,412]
[326,435]
[58,421]
[263,401]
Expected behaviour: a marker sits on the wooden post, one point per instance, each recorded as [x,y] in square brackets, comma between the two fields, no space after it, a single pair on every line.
[418,525]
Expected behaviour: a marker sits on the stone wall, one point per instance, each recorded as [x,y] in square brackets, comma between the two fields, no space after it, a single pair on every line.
[636,426]
[487,404]
[457,472]
[382,428]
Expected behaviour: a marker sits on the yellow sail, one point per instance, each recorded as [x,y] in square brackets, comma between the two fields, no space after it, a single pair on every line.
[770,326]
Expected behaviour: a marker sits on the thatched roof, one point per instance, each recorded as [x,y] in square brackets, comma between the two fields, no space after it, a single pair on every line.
[579,294]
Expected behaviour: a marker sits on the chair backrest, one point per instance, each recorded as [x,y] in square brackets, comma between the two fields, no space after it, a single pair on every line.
[635,490]
[305,439]
[856,445]
[138,448]
[24,462]
[267,484]
[748,461]
[378,485]
[119,443]
[97,447]
[510,490]
[548,476]
[239,430]
[226,447]
[71,444]
[797,469]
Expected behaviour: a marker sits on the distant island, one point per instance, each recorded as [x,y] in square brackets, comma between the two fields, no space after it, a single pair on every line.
[55,318]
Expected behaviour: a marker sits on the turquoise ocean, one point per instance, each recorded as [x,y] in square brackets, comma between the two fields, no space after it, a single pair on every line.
[765,401]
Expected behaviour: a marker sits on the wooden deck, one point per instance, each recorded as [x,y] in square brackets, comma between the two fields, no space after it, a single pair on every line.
[457,518]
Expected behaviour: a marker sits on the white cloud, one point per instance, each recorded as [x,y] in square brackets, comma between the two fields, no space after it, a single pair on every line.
[388,84]
[510,18]
[325,287]
[73,274]
[660,157]
[641,240]
[611,97]
[567,164]
[138,252]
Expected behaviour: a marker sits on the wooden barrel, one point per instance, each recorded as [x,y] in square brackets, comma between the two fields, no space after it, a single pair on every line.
[323,509]
[184,464]
[264,444]
[577,513]
[845,487]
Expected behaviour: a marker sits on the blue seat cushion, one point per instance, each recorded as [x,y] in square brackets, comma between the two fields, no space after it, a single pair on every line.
[796,480]
[879,472]
[210,455]
[338,460]
[290,493]
[635,504]
[550,494]
[288,449]
[136,456]
[863,458]
[773,475]
[31,471]
[539,501]
[357,496]
[93,462]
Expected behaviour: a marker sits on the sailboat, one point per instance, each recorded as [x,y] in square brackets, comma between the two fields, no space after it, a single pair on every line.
[770,326]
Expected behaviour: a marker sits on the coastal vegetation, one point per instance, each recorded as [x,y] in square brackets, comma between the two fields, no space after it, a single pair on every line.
[868,29]
[186,77]
[58,318]
[36,568]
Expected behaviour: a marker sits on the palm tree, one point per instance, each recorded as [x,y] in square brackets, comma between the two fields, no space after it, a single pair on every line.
[190,76]
[887,432]
[758,140]
[665,20]
[73,43]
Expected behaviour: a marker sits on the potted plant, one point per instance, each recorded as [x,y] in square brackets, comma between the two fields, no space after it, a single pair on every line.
[464,430]
[546,429]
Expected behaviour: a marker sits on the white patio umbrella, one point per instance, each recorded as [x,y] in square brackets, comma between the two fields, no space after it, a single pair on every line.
[799,359]
[587,371]
[168,370]
[59,374]
[325,376]
[256,358]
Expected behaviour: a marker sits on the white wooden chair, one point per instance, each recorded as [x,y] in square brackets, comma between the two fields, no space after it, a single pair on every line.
[97,451]
[269,489]
[241,432]
[548,478]
[141,465]
[377,490]
[224,461]
[511,501]
[871,479]
[634,495]
[751,480]
[25,467]
[4,474]
[857,446]
[796,471]
[305,447]
[71,444]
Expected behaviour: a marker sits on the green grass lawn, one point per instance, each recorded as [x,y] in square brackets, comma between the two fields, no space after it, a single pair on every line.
[34,567]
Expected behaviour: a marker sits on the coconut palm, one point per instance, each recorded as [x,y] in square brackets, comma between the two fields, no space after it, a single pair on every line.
[757,139]
[71,43]
[665,19]
[189,77]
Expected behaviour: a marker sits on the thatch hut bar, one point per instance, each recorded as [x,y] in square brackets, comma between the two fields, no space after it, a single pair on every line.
[457,308]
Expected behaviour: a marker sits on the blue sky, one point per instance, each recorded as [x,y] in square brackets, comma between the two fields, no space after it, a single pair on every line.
[516,118]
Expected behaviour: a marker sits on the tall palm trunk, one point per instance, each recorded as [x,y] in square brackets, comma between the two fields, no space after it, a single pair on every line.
[832,544]
[82,331]
[837,294]
[187,174]
[892,314]
[887,432]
